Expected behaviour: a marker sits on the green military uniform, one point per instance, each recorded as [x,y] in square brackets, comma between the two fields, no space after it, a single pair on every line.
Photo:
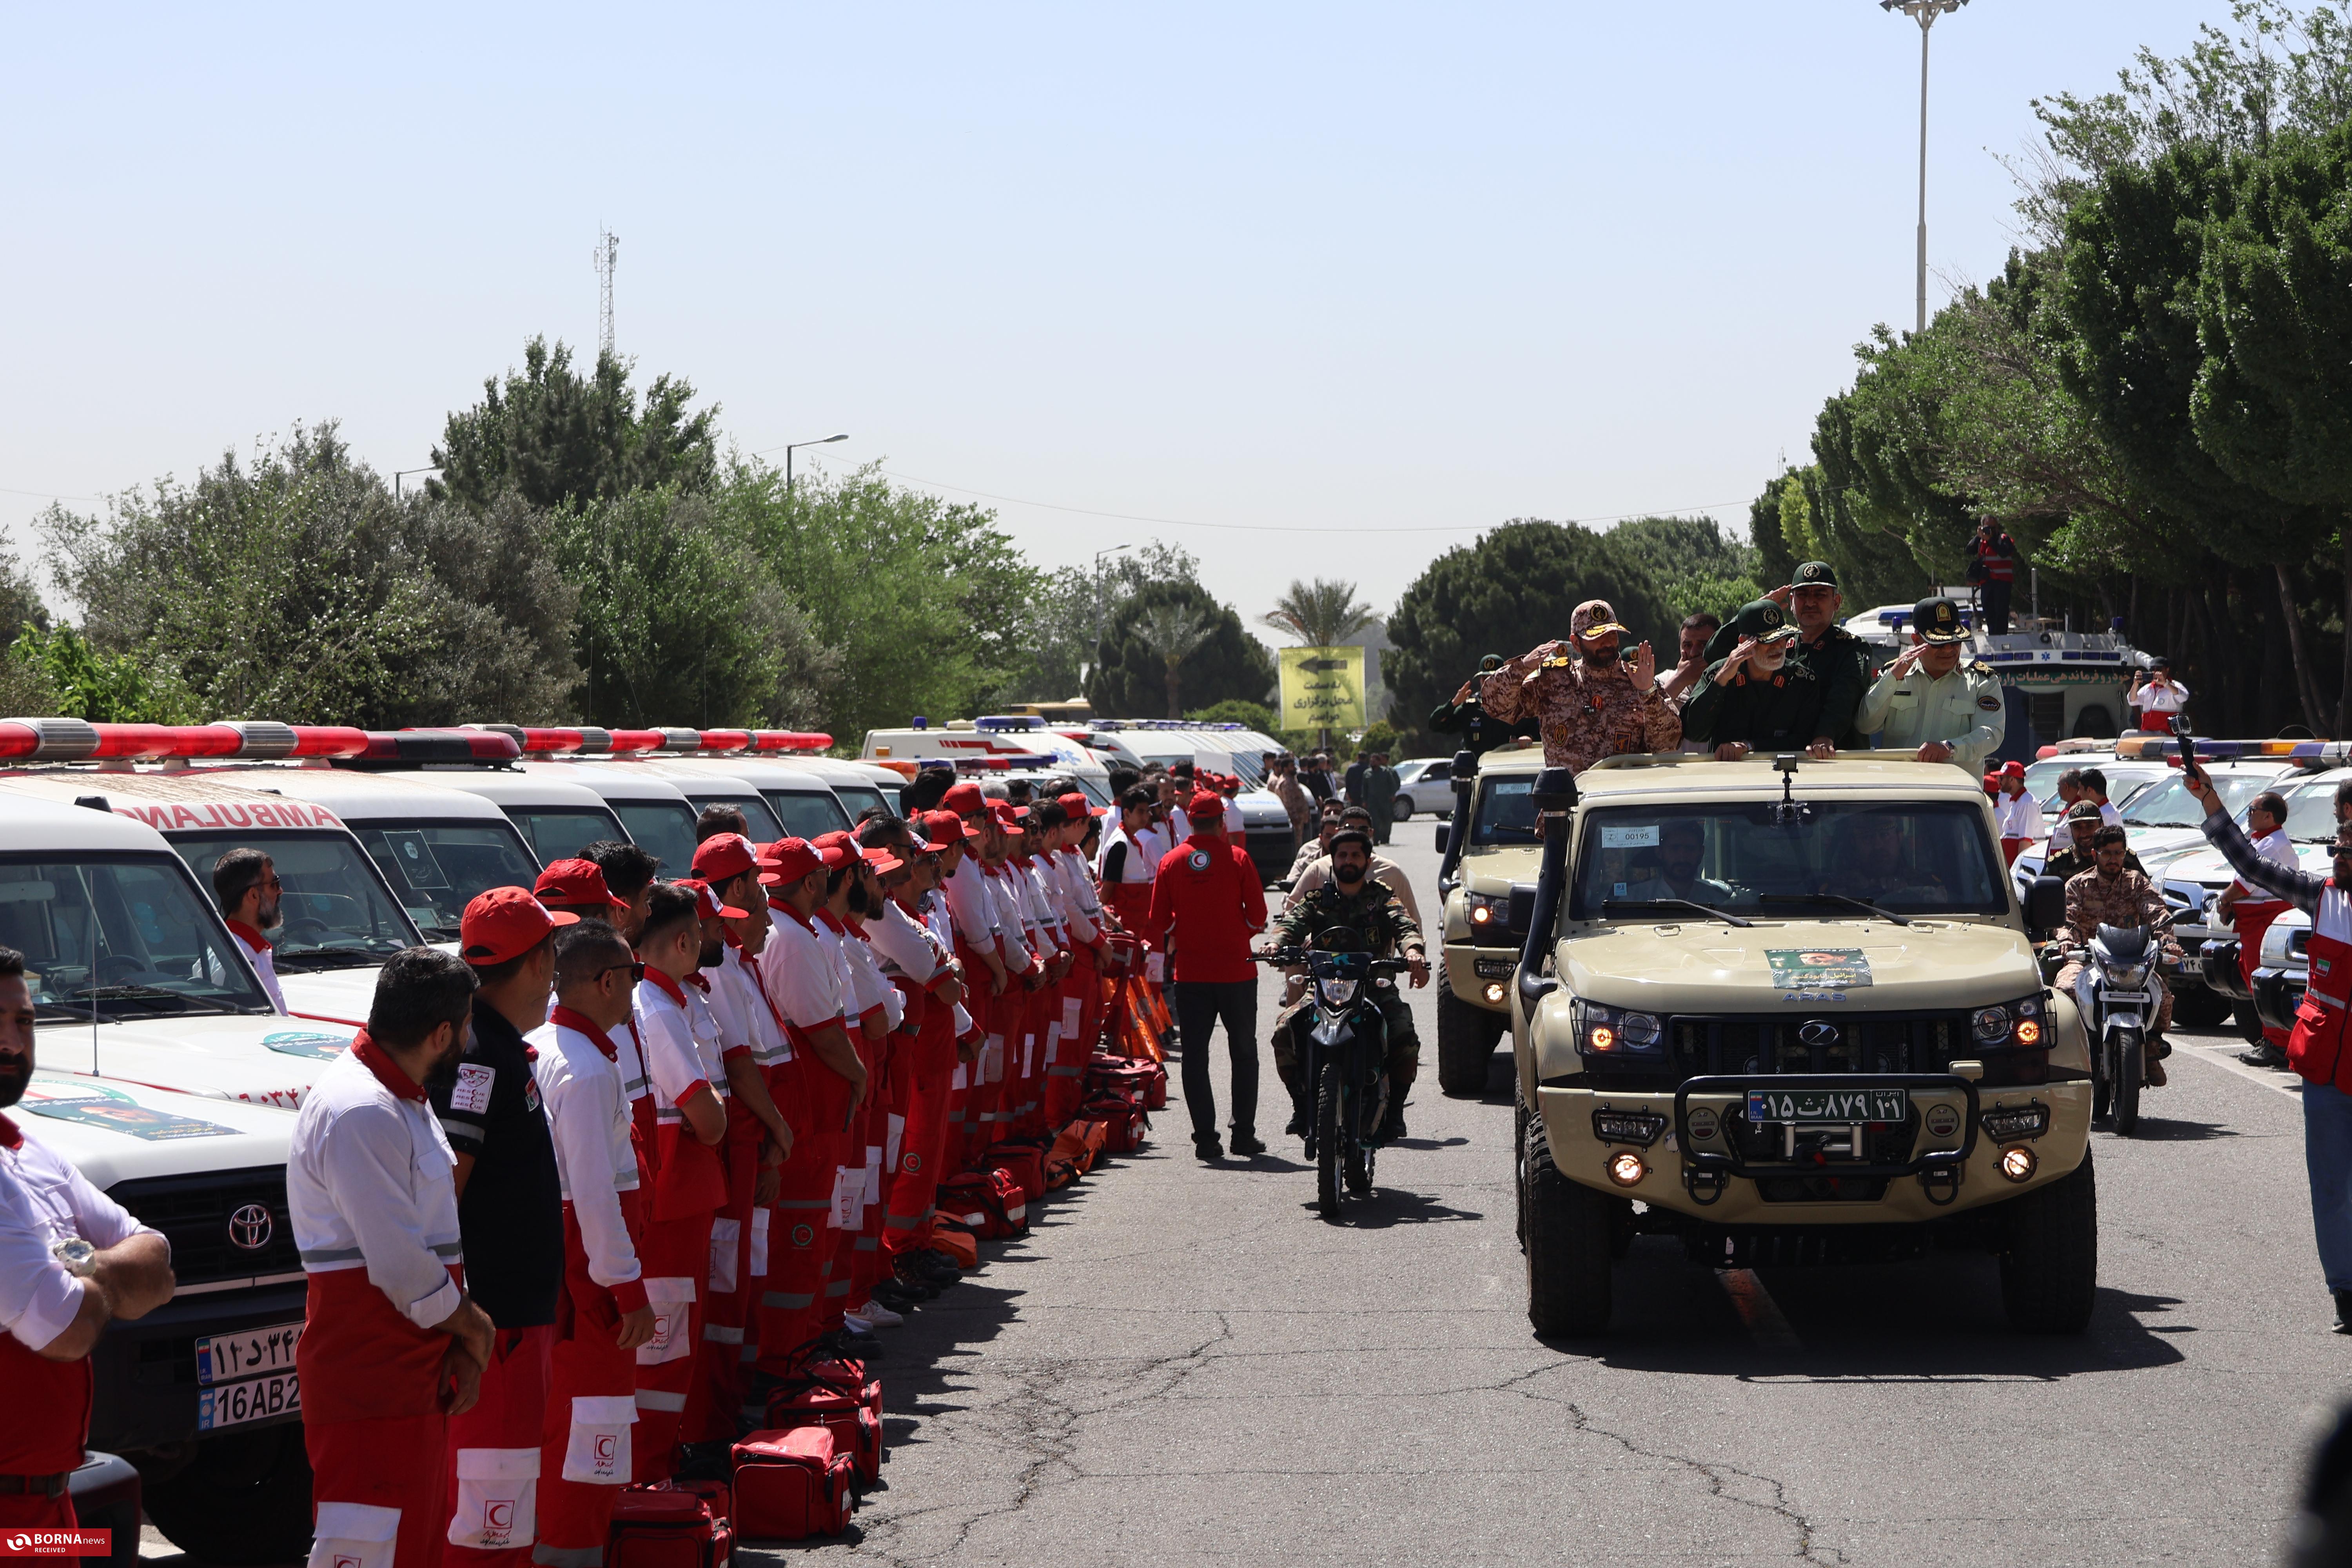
[1838,660]
[1765,712]
[1964,710]
[1380,924]
[1480,732]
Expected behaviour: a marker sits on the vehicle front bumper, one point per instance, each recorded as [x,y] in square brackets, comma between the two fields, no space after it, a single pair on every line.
[146,1372]
[1583,1155]
[1481,975]
[2278,993]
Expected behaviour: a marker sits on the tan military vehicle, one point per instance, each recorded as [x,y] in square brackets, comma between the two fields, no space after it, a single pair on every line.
[1788,1011]
[1499,852]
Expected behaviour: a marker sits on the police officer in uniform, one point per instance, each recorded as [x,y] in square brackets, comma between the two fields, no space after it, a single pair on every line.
[1757,698]
[1368,907]
[1933,702]
[2081,821]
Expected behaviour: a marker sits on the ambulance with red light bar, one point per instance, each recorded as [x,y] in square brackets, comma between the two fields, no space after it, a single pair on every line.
[340,919]
[721,767]
[1006,735]
[134,974]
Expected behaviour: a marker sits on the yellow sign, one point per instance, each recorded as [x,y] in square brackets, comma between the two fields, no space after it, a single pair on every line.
[1323,689]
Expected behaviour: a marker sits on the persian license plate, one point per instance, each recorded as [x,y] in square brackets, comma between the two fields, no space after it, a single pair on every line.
[256,1399]
[1832,1106]
[226,1358]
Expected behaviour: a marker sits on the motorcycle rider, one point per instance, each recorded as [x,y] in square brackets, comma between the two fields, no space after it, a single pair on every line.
[2083,823]
[2113,894]
[1359,902]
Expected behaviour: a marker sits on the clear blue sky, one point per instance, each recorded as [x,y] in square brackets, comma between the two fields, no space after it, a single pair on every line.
[1338,267]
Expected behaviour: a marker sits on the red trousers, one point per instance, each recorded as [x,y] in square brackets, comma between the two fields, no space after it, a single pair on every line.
[1066,1075]
[913,1178]
[856,1261]
[718,1392]
[585,1453]
[800,1241]
[675,1255]
[378,1445]
[494,1456]
[2252,917]
[40,1512]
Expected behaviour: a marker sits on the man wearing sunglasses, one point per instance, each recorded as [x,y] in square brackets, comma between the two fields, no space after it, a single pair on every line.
[2316,1050]
[252,899]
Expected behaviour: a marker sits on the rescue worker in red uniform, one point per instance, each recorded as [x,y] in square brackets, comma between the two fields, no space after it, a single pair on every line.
[392,1345]
[2250,913]
[510,1220]
[2316,1050]
[71,1261]
[585,1457]
[1206,905]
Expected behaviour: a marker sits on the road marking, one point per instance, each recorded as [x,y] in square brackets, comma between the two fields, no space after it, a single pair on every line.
[2225,1058]
[1757,1310]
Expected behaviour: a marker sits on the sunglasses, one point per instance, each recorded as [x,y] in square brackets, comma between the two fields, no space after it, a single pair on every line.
[636,970]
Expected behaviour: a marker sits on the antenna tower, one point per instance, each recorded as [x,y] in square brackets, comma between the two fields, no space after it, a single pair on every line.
[608,256]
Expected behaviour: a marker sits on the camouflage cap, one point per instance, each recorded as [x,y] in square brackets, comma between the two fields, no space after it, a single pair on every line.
[1814,573]
[1937,621]
[1593,617]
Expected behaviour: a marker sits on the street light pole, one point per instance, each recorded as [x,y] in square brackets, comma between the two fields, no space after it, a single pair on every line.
[820,441]
[1925,12]
[400,474]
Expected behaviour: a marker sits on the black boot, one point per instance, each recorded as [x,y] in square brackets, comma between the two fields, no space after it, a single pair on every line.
[2265,1055]
[1298,1115]
[2343,1311]
[1245,1144]
[1206,1146]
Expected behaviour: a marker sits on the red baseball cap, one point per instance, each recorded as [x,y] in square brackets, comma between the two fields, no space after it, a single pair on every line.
[883,862]
[504,923]
[1074,803]
[793,858]
[963,798]
[709,906]
[723,857]
[1205,804]
[945,827]
[835,848]
[575,882]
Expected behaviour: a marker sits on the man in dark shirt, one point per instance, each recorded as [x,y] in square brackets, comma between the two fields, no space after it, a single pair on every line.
[2083,820]
[509,1221]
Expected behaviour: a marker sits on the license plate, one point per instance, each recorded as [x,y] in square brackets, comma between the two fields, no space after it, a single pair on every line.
[2125,995]
[256,1399]
[1832,1106]
[226,1358]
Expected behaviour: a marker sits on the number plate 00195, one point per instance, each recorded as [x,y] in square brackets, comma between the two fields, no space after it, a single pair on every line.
[1827,1105]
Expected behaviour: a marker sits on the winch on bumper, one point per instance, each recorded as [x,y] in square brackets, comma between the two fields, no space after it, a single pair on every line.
[1817,1152]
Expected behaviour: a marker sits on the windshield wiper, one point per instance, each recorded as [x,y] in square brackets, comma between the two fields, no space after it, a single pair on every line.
[1835,898]
[128,993]
[1710,911]
[332,957]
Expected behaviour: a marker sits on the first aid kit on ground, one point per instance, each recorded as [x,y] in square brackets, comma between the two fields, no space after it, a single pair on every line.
[666,1525]
[791,1484]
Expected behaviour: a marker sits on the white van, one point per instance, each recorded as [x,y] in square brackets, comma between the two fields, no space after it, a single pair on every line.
[341,918]
[799,802]
[1225,749]
[656,811]
[861,787]
[1003,736]
[556,818]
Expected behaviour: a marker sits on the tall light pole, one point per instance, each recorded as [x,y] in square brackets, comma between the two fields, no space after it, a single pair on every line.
[796,446]
[1925,12]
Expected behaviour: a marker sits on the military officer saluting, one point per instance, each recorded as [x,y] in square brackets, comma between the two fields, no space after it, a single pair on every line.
[1465,715]
[1839,660]
[1933,702]
[1757,698]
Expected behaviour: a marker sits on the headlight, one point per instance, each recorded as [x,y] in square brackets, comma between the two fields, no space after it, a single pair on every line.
[1990,1025]
[1484,911]
[2127,976]
[1339,993]
[2012,1023]
[1612,1031]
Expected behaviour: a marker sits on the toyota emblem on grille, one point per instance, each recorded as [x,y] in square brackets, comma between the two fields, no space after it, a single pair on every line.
[1820,1034]
[249,1229]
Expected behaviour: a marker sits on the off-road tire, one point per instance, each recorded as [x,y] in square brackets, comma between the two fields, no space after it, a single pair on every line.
[244,1499]
[2050,1255]
[1568,1238]
[2247,1022]
[1327,1142]
[1520,1119]
[2130,1066]
[2199,1008]
[1466,1038]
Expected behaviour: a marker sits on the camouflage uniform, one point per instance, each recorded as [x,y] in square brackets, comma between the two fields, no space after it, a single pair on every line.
[1376,917]
[1584,717]
[2127,899]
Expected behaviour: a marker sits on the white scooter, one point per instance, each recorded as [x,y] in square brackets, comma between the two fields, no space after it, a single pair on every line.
[2116,992]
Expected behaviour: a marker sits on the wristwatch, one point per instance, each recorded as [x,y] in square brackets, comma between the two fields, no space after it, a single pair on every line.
[79,1256]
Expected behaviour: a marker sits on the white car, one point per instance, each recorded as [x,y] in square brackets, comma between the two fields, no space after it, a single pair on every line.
[1424,784]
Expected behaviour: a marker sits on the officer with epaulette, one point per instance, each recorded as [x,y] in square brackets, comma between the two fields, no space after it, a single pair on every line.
[1932,701]
[2083,820]
[1466,716]
[1840,660]
[1357,899]
[1757,698]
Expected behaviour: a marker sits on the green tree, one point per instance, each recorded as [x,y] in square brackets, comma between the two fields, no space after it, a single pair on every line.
[1322,614]
[80,682]
[294,587]
[20,600]
[1694,564]
[553,436]
[1134,679]
[681,621]
[2274,400]
[1512,590]
[1777,556]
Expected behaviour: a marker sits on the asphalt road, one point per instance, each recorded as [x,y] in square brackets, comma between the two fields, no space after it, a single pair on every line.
[1182,1365]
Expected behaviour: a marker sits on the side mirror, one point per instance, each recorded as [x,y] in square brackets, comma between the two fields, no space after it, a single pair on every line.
[1522,908]
[1465,764]
[1444,834]
[2046,905]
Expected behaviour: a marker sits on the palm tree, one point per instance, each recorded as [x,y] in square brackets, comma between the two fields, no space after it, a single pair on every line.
[1174,632]
[1319,614]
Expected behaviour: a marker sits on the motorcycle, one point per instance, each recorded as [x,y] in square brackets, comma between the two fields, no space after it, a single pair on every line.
[2117,994]
[1342,1052]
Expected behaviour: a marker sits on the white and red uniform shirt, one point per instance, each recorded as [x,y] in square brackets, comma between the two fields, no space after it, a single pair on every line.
[2020,817]
[580,1086]
[801,976]
[264,958]
[370,1183]
[743,1013]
